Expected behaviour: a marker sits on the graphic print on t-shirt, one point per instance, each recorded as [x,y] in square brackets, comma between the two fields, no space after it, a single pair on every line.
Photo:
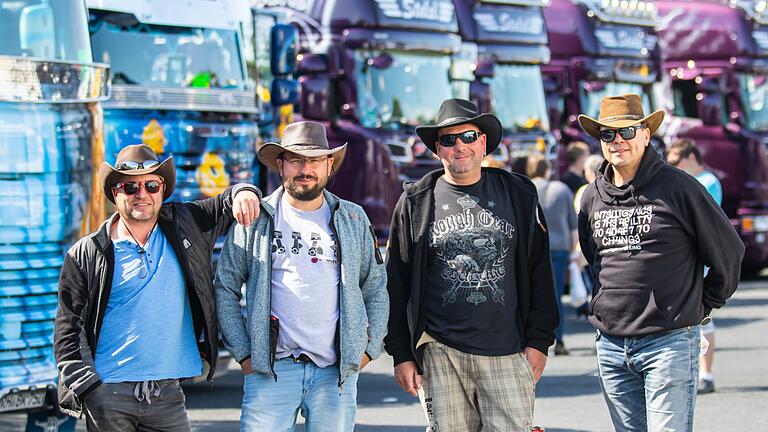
[471,245]
[618,230]
[313,248]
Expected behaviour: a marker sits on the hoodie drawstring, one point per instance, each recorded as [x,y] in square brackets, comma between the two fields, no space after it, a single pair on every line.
[145,390]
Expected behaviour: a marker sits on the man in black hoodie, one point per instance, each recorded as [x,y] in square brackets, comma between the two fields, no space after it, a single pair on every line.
[471,289]
[647,230]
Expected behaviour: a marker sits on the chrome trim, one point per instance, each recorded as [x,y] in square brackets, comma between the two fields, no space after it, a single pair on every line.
[33,80]
[182,99]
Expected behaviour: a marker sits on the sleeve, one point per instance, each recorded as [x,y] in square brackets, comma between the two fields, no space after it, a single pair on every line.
[74,358]
[214,215]
[231,274]
[543,316]
[373,285]
[568,207]
[398,339]
[586,242]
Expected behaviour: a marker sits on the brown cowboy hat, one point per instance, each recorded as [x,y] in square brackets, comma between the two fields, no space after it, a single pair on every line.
[304,138]
[140,154]
[618,112]
[454,112]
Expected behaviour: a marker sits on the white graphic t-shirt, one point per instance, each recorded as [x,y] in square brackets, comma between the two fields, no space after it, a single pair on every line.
[305,283]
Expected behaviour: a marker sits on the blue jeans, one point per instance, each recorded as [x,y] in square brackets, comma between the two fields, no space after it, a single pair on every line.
[560,260]
[649,382]
[270,405]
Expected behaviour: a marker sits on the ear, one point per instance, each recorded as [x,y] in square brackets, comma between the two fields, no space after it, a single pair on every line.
[279,163]
[330,165]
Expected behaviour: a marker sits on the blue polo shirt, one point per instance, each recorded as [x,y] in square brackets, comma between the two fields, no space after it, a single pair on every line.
[147,333]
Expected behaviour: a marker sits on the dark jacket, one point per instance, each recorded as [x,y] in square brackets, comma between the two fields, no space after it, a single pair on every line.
[407,260]
[647,243]
[86,281]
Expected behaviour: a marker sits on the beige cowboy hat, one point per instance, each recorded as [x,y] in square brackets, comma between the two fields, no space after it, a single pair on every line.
[618,112]
[303,138]
[131,161]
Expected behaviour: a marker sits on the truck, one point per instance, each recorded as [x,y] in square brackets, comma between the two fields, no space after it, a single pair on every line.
[50,115]
[371,71]
[180,85]
[599,48]
[715,91]
[511,40]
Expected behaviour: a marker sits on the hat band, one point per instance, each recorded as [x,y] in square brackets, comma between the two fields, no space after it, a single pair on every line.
[453,120]
[621,117]
[305,147]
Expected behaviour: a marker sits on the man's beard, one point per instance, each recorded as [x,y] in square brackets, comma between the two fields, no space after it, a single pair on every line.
[304,193]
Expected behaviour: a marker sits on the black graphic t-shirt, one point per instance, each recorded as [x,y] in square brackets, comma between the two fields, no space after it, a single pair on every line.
[471,298]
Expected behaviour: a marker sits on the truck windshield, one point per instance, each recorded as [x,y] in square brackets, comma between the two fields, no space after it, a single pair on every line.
[407,92]
[164,56]
[592,93]
[518,98]
[45,29]
[754,93]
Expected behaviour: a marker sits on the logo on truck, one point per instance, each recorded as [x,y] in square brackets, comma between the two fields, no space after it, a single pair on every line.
[433,10]
[508,23]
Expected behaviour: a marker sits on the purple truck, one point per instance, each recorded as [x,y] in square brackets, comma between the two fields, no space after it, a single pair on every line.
[511,41]
[371,71]
[716,92]
[599,48]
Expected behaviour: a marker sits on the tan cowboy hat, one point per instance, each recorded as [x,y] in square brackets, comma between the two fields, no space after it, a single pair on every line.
[455,112]
[130,162]
[618,112]
[303,138]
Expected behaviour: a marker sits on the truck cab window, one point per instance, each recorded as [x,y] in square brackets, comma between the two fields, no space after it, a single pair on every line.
[684,98]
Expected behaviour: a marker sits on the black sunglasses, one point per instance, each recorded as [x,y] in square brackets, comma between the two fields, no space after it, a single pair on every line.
[134,165]
[627,133]
[132,187]
[449,140]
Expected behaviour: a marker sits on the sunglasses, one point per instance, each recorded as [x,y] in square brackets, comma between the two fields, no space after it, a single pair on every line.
[134,165]
[449,140]
[132,187]
[627,133]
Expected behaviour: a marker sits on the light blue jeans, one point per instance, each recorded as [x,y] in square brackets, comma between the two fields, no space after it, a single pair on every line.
[270,405]
[560,260]
[649,382]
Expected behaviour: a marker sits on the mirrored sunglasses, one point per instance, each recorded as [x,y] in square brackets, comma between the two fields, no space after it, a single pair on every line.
[449,140]
[134,165]
[627,133]
[132,187]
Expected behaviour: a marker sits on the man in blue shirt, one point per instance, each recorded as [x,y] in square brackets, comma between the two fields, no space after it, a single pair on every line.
[136,304]
[685,155]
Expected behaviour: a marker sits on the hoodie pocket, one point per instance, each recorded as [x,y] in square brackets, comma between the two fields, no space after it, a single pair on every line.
[627,309]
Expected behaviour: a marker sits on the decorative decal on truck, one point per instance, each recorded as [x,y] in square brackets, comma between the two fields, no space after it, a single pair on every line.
[432,10]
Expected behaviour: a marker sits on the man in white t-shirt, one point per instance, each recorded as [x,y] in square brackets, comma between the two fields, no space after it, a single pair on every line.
[316,299]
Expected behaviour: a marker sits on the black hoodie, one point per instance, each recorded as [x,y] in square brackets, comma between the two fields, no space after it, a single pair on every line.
[647,243]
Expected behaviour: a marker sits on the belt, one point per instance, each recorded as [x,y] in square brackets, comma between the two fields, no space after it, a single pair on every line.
[301,358]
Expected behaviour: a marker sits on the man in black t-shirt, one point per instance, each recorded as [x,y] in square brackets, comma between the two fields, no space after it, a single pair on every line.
[472,299]
[576,154]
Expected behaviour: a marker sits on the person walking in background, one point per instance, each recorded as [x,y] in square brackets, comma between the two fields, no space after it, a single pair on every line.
[575,154]
[473,307]
[647,230]
[136,303]
[686,155]
[591,167]
[316,298]
[557,202]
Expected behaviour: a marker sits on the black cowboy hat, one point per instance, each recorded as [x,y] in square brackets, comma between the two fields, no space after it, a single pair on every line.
[454,112]
[140,154]
[303,138]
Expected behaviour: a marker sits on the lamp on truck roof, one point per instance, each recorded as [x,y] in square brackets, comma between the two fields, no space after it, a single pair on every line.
[634,12]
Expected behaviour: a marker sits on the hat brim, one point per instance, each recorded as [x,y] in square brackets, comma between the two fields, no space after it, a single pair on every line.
[592,126]
[166,170]
[269,153]
[488,123]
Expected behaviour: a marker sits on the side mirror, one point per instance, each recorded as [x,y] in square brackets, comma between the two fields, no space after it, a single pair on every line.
[314,97]
[310,64]
[283,39]
[284,91]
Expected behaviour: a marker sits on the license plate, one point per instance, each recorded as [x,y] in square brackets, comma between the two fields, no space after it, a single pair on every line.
[23,400]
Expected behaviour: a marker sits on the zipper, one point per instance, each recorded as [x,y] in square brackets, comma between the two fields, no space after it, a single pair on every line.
[271,223]
[332,226]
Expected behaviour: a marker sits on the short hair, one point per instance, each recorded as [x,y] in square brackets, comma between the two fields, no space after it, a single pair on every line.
[537,166]
[687,147]
[575,151]
[592,164]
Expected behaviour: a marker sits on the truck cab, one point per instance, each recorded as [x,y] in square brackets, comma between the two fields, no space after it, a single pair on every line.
[599,48]
[715,91]
[371,71]
[50,114]
[511,41]
[181,86]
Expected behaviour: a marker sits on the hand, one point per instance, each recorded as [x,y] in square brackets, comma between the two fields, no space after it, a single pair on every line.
[407,376]
[245,366]
[245,207]
[364,361]
[537,360]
